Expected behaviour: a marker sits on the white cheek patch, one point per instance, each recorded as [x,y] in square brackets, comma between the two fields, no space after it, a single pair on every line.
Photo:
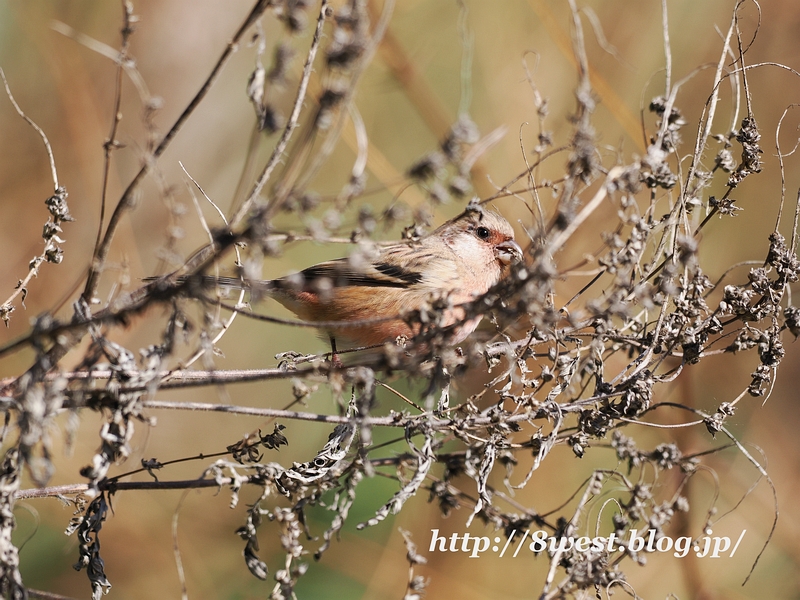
[473,252]
[467,246]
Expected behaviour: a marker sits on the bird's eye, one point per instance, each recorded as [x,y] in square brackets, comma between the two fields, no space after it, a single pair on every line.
[482,232]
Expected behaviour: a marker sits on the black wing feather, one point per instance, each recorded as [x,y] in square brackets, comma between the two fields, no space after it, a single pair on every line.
[340,273]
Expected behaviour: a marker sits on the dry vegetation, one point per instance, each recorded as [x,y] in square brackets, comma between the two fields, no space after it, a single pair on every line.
[583,345]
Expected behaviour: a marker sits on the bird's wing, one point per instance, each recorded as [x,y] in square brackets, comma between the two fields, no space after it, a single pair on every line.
[391,268]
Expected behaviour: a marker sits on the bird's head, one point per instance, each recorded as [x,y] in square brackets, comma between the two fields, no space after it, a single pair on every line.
[481,234]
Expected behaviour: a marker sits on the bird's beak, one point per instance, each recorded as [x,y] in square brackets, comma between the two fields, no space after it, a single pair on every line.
[509,252]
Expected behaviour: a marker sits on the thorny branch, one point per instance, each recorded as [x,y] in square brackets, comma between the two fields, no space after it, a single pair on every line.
[59,213]
[577,373]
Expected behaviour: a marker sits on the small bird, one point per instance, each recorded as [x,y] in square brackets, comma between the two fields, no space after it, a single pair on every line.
[457,262]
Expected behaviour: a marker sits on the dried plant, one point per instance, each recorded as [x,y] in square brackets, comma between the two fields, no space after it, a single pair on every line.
[587,373]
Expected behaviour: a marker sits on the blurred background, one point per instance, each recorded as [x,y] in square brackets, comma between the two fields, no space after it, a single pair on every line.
[410,94]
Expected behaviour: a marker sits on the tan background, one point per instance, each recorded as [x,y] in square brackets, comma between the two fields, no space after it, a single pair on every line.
[68,90]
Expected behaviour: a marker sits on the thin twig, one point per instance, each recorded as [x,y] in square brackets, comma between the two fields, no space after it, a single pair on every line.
[38,130]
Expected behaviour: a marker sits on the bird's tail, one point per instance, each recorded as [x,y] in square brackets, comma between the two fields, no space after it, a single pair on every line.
[211,281]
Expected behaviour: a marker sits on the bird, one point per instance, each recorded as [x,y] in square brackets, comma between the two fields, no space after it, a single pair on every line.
[363,299]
